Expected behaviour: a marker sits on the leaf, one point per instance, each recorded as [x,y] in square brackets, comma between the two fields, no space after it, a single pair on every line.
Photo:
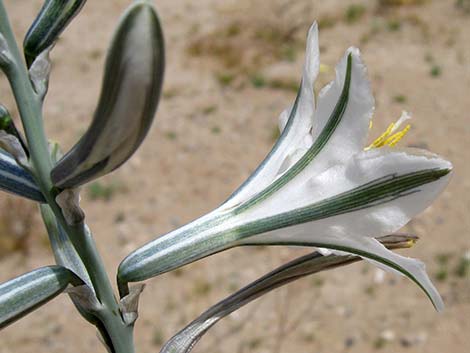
[64,252]
[66,256]
[16,180]
[185,340]
[27,292]
[51,21]
[129,97]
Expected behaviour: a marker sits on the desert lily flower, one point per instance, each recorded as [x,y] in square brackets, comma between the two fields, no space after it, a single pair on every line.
[319,186]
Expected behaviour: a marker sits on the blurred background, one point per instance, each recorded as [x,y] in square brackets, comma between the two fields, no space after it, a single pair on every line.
[232,67]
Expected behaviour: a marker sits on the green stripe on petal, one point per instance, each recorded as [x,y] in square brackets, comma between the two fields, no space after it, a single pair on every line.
[388,188]
[295,124]
[376,206]
[318,144]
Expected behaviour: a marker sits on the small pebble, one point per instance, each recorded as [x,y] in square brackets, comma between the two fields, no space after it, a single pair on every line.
[387,335]
[413,340]
[379,276]
[349,342]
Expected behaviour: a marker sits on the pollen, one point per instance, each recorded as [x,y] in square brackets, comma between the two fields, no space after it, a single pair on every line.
[391,136]
[396,137]
[410,243]
[324,68]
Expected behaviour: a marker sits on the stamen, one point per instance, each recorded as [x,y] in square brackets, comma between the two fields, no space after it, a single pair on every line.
[379,142]
[324,68]
[410,243]
[390,137]
[395,138]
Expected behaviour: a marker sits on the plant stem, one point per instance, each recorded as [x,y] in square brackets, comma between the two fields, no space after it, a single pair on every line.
[30,109]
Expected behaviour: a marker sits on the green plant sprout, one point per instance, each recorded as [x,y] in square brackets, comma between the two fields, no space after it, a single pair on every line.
[320,185]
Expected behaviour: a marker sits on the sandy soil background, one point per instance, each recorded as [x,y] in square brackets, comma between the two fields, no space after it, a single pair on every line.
[231,69]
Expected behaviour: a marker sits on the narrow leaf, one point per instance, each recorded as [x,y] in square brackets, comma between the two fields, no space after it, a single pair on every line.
[185,340]
[64,252]
[16,180]
[129,97]
[66,256]
[27,292]
[51,21]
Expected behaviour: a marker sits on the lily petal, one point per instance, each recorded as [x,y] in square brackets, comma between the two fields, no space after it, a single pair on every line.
[362,169]
[309,75]
[375,194]
[366,214]
[350,132]
[295,125]
[331,131]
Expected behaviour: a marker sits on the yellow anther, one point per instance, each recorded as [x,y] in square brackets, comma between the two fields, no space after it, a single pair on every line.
[391,136]
[324,68]
[380,141]
[393,140]
[410,243]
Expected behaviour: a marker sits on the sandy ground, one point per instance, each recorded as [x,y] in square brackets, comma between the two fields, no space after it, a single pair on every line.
[216,121]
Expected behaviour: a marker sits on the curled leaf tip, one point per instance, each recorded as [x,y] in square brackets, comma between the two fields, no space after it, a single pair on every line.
[129,305]
[69,201]
[39,73]
[85,297]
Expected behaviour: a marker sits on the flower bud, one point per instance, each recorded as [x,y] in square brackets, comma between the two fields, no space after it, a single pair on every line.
[129,97]
[54,16]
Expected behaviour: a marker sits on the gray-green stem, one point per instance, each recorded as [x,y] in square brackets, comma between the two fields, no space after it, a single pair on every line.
[30,109]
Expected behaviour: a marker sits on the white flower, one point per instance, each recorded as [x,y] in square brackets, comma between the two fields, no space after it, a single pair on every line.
[319,186]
